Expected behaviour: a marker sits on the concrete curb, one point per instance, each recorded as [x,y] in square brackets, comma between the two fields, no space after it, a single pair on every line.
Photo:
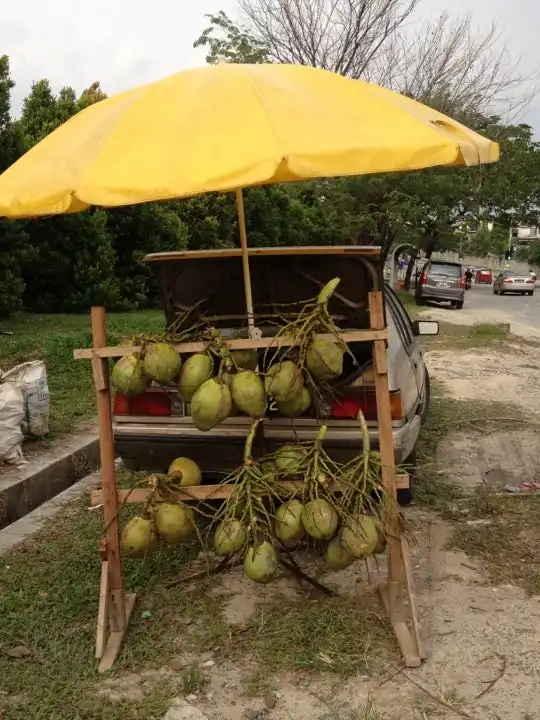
[23,529]
[24,488]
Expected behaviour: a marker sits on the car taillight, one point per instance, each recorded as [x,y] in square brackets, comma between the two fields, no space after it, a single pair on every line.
[423,278]
[508,281]
[347,407]
[155,402]
[530,280]
[462,282]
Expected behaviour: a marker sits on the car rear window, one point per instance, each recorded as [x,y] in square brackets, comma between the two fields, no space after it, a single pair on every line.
[446,269]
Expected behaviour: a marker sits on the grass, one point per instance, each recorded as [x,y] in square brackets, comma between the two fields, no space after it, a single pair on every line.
[49,593]
[469,337]
[52,338]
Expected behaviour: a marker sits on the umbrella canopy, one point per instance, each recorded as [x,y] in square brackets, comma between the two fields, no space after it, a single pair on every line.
[229,126]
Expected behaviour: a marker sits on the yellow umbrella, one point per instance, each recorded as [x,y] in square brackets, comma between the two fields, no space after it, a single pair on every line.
[224,127]
[227,127]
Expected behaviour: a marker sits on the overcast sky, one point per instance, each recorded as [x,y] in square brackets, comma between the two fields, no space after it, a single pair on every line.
[123,43]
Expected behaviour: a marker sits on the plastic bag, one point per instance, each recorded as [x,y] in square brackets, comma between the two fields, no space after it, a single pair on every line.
[31,378]
[11,420]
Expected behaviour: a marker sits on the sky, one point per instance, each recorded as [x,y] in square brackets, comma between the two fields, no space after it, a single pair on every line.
[123,43]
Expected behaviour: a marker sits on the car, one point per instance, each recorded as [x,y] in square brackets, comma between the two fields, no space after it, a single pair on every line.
[441,281]
[483,276]
[153,429]
[509,281]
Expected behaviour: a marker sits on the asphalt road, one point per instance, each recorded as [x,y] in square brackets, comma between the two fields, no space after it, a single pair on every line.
[515,308]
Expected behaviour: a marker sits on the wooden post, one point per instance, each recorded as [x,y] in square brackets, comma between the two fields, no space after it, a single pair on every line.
[391,593]
[114,606]
[245,261]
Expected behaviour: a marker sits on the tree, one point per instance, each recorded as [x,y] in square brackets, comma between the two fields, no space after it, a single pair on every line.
[445,62]
[14,247]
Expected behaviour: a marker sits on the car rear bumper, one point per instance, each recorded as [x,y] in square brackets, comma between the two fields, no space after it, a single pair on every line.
[153,445]
[442,295]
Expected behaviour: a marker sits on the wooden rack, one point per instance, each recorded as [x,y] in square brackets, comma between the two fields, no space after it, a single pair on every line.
[116,606]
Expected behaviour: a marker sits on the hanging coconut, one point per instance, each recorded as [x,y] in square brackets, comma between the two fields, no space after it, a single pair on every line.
[194,372]
[261,562]
[336,555]
[175,522]
[128,376]
[247,390]
[289,459]
[283,381]
[359,535]
[139,537]
[380,547]
[161,362]
[186,472]
[289,528]
[324,359]
[245,359]
[320,519]
[211,404]
[297,406]
[230,537]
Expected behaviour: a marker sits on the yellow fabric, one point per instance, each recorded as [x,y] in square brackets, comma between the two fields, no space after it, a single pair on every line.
[228,126]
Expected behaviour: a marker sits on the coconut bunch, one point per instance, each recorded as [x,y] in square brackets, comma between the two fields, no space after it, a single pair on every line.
[335,505]
[244,525]
[297,374]
[165,518]
[156,362]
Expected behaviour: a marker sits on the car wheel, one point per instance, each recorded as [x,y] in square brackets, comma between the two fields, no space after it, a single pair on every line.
[459,305]
[419,301]
[530,292]
[405,496]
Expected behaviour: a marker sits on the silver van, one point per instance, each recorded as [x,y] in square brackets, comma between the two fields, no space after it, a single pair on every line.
[152,430]
[441,281]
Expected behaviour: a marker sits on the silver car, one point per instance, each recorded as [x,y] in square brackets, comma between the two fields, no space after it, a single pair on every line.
[441,281]
[508,281]
[152,430]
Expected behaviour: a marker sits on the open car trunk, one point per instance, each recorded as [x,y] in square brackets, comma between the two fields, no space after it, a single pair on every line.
[209,284]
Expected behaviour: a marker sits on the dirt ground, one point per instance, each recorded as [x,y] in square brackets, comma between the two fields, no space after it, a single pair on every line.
[482,640]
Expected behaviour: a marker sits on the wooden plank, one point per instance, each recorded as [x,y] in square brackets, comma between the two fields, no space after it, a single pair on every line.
[108,479]
[237,344]
[408,573]
[203,492]
[115,638]
[405,640]
[103,610]
[371,250]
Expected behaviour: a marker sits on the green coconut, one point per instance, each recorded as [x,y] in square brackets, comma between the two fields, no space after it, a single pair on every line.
[128,376]
[247,390]
[289,528]
[185,472]
[359,535]
[289,459]
[211,404]
[380,547]
[230,537]
[324,359]
[161,362]
[245,359]
[261,562]
[297,406]
[283,381]
[336,555]
[138,537]
[175,522]
[194,372]
[319,519]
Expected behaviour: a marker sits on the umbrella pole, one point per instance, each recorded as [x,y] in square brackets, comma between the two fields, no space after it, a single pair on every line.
[245,261]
